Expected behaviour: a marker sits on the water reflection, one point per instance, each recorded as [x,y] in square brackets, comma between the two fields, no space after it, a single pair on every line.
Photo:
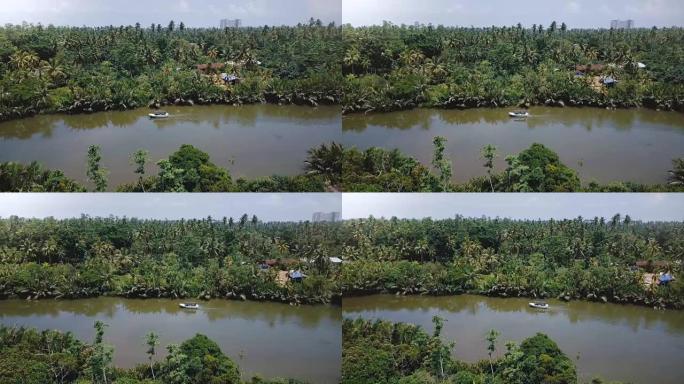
[603,335]
[424,118]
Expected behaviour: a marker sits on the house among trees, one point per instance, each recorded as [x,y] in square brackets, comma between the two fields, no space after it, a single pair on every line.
[230,78]
[609,81]
[654,275]
[665,278]
[296,275]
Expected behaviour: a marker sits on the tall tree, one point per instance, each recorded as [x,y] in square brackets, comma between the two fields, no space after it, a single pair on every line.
[95,172]
[441,162]
[152,340]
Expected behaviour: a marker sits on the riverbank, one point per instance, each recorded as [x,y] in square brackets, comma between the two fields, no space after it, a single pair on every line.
[571,258]
[286,298]
[460,103]
[87,107]
[31,281]
[413,278]
[196,258]
[506,292]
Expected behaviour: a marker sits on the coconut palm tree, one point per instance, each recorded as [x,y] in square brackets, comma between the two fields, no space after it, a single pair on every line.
[325,160]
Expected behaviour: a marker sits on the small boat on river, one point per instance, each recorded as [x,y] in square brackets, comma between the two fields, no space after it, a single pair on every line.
[519,114]
[539,305]
[158,114]
[189,305]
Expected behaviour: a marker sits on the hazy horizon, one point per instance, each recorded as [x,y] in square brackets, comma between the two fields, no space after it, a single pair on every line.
[575,13]
[170,206]
[525,206]
[206,14]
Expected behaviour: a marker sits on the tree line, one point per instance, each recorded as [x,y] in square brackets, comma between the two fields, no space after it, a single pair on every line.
[589,259]
[392,67]
[377,68]
[83,69]
[199,258]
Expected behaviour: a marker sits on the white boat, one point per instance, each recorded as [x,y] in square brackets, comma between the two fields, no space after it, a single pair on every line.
[189,305]
[519,114]
[158,114]
[539,305]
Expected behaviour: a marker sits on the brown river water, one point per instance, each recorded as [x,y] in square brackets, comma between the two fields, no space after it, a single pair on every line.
[250,140]
[270,339]
[261,140]
[621,145]
[616,342]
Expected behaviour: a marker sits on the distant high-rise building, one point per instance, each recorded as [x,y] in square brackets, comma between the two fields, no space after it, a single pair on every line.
[622,24]
[325,216]
[231,23]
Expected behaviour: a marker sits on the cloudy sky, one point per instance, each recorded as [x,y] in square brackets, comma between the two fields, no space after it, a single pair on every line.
[575,13]
[196,13]
[267,206]
[640,206]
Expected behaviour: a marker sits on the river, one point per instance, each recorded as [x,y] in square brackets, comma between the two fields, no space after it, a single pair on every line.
[603,145]
[617,342]
[251,140]
[272,339]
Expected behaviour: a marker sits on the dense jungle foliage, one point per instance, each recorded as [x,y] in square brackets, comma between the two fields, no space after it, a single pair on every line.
[592,259]
[392,67]
[83,69]
[332,167]
[29,356]
[382,352]
[49,258]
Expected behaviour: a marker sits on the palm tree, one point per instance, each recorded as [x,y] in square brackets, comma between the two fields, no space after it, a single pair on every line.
[488,153]
[326,161]
[24,60]
[54,70]
[152,340]
[213,54]
[491,346]
[352,57]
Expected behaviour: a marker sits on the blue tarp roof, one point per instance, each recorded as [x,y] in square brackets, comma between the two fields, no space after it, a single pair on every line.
[665,278]
[296,275]
[227,77]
